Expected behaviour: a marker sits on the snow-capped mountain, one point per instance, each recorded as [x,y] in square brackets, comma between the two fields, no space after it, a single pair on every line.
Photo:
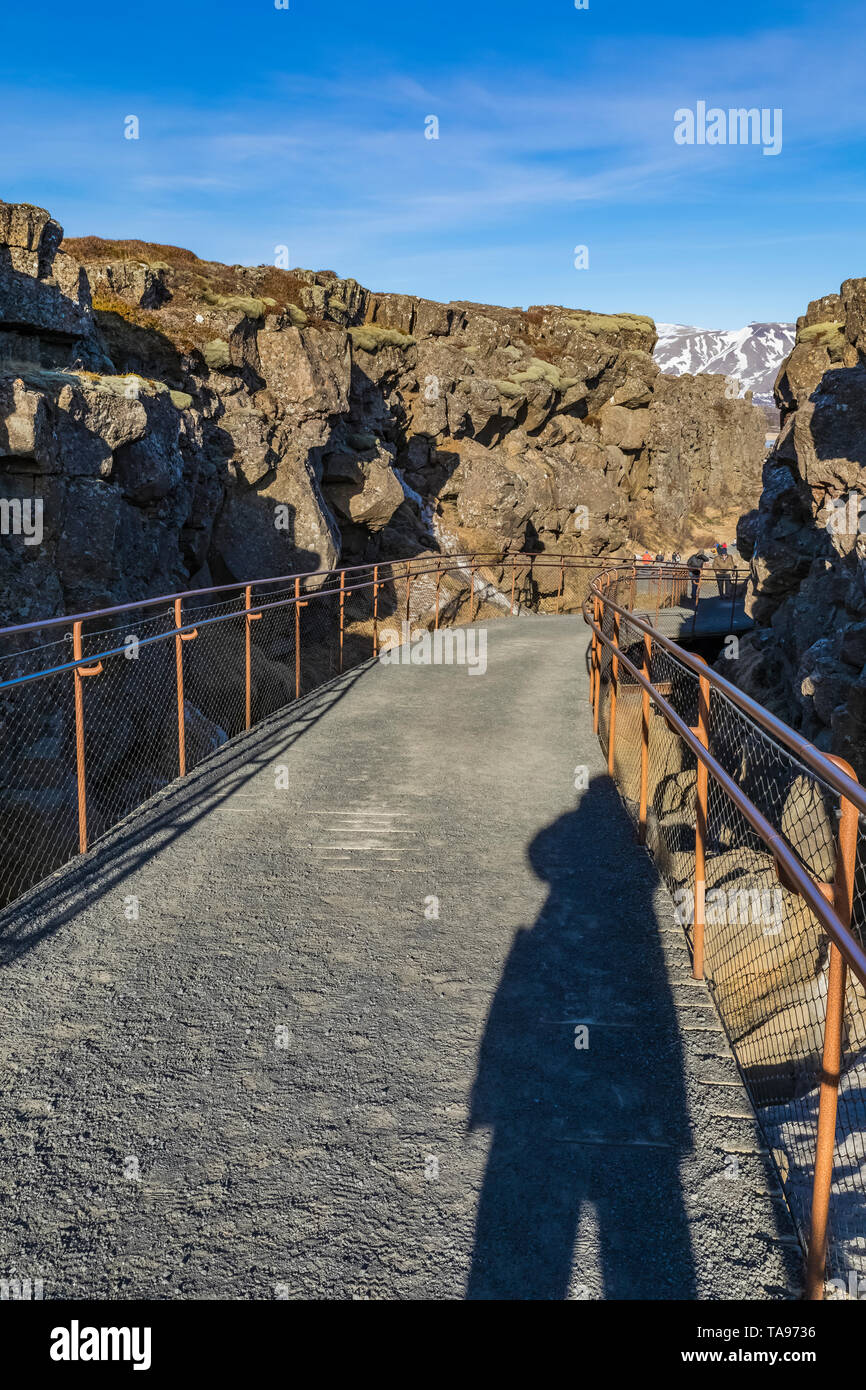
[753,354]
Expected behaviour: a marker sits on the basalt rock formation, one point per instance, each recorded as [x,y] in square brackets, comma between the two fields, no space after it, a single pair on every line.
[183,423]
[807,656]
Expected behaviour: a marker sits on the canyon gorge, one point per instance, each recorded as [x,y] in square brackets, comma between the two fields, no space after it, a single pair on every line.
[186,423]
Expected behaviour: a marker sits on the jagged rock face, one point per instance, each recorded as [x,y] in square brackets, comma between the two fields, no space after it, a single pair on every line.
[186,422]
[693,435]
[41,288]
[807,657]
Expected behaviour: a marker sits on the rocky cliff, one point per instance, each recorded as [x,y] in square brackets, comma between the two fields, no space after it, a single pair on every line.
[807,658]
[181,422]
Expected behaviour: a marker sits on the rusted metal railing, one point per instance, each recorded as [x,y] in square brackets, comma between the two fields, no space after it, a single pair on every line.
[751,787]
[240,652]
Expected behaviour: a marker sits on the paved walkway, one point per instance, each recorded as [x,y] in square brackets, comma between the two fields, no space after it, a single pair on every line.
[340,1051]
[716,617]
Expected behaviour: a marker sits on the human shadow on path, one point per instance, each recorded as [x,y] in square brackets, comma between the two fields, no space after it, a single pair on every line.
[595,1131]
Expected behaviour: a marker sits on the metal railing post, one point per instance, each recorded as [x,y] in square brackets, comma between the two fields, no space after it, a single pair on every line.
[644,740]
[614,681]
[408,587]
[701,796]
[298,606]
[375,610]
[831,1062]
[248,619]
[697,599]
[438,582]
[472,590]
[178,662]
[179,639]
[78,675]
[561,593]
[343,595]
[513,572]
[598,612]
[594,659]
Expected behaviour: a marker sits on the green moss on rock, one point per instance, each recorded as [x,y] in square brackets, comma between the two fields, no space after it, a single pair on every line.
[830,335]
[539,370]
[216,354]
[371,339]
[241,303]
[509,389]
[611,323]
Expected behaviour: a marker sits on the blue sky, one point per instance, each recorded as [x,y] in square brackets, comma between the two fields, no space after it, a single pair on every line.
[305,127]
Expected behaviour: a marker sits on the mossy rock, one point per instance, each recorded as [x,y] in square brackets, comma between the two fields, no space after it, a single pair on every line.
[245,304]
[611,323]
[242,303]
[298,317]
[371,339]
[830,335]
[509,389]
[539,370]
[216,354]
[54,378]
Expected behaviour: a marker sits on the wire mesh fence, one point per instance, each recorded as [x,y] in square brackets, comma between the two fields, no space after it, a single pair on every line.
[766,955]
[100,711]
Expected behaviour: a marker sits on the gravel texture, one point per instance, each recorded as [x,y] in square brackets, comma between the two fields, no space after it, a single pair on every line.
[290,1077]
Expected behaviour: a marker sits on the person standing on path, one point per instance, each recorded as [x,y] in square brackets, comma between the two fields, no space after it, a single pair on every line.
[723,566]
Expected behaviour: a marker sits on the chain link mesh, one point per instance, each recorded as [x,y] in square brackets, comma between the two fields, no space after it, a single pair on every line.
[160,701]
[766,955]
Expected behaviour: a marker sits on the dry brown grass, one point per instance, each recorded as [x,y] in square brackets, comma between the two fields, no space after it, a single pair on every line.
[95,248]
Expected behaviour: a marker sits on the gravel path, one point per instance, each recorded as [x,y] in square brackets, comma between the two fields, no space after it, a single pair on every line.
[340,1051]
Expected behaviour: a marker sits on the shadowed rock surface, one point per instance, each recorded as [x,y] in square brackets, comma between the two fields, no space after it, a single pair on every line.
[807,658]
